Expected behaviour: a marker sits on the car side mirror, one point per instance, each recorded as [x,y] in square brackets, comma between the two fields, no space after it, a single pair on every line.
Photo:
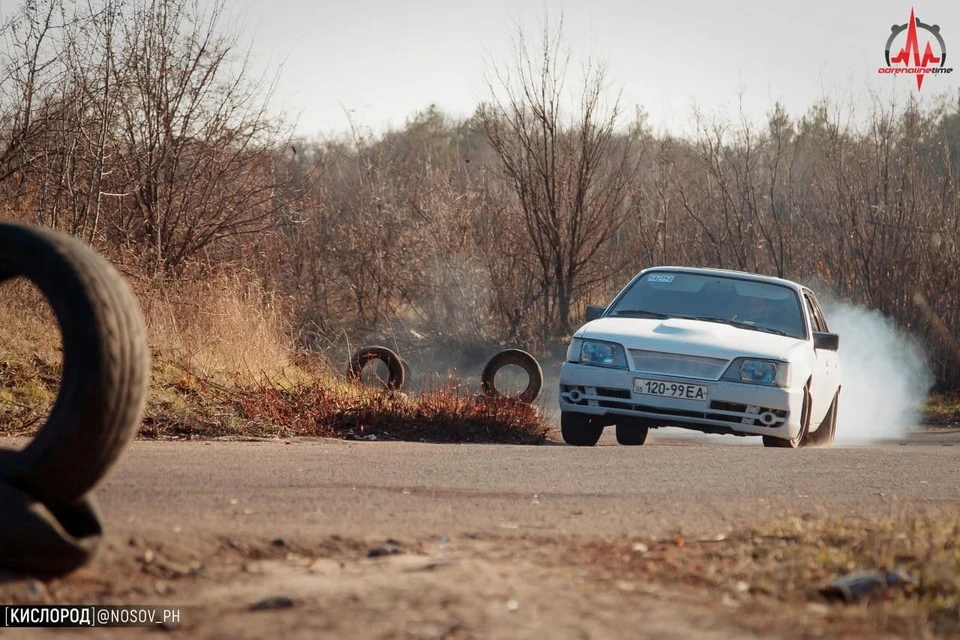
[826,341]
[593,312]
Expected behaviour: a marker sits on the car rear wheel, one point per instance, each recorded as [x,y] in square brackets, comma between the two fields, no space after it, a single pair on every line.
[827,431]
[632,433]
[801,439]
[579,429]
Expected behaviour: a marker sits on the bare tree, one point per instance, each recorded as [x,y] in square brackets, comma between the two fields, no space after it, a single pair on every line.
[137,123]
[199,158]
[29,76]
[569,176]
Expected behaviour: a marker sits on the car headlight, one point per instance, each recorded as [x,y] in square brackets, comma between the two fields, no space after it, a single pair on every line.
[752,371]
[602,354]
[573,351]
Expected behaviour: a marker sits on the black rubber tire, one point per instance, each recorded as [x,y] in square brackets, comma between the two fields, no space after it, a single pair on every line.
[407,372]
[824,435]
[106,366]
[521,359]
[632,433]
[580,430]
[801,439]
[396,374]
[40,542]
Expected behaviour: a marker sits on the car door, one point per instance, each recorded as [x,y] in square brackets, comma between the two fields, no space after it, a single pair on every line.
[824,365]
[832,358]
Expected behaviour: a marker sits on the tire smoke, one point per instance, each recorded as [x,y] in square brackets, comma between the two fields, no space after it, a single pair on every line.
[884,372]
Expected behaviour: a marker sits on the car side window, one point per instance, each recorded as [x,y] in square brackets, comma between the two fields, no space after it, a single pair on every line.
[820,317]
[816,318]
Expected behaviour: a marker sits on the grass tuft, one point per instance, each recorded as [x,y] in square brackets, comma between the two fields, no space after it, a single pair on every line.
[942,409]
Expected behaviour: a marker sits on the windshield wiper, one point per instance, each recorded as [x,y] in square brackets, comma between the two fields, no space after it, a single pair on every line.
[708,319]
[739,324]
[640,313]
[779,332]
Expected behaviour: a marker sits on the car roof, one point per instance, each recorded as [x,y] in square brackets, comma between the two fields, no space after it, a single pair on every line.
[728,273]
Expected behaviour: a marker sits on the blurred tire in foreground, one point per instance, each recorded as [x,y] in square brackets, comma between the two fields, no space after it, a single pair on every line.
[48,520]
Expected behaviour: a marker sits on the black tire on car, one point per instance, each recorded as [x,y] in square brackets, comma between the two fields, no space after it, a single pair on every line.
[518,358]
[631,432]
[801,439]
[396,373]
[106,365]
[580,430]
[827,431]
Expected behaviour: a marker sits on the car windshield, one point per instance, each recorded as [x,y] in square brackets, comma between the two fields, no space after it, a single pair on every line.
[760,306]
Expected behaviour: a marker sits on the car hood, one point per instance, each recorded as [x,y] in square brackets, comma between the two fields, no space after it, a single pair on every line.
[691,337]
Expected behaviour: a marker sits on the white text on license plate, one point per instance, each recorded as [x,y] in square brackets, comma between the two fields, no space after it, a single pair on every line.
[670,389]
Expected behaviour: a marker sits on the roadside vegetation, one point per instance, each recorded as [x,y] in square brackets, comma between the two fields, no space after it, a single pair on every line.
[943,409]
[227,370]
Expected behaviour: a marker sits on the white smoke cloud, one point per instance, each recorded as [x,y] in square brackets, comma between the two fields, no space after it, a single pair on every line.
[885,376]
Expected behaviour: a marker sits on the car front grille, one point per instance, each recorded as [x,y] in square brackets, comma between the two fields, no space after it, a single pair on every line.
[673,364]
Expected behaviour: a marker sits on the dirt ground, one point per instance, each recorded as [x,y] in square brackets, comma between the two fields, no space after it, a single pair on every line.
[502,586]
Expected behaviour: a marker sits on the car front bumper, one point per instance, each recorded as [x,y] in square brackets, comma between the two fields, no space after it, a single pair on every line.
[730,407]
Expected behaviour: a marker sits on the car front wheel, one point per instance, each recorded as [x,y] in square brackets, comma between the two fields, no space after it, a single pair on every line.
[632,433]
[825,433]
[579,429]
[801,439]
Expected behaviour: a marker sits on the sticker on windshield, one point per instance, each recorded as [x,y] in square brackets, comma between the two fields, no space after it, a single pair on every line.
[659,277]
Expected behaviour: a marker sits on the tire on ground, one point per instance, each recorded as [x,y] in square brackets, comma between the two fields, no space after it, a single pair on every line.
[407,371]
[43,542]
[580,430]
[518,358]
[801,440]
[631,433]
[106,365]
[49,523]
[827,431]
[396,372]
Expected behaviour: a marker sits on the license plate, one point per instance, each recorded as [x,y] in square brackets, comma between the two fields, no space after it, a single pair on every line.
[670,389]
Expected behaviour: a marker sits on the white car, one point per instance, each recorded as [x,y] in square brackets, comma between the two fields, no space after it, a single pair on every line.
[706,349]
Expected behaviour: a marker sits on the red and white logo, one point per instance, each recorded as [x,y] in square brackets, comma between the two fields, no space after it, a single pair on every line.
[915,48]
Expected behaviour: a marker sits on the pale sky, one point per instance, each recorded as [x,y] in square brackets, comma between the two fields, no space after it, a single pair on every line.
[384,60]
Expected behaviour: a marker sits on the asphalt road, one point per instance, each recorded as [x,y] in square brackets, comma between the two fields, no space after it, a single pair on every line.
[697,486]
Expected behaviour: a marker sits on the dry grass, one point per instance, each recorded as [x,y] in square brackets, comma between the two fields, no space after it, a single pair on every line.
[328,406]
[223,366]
[943,409]
[226,328]
[30,357]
